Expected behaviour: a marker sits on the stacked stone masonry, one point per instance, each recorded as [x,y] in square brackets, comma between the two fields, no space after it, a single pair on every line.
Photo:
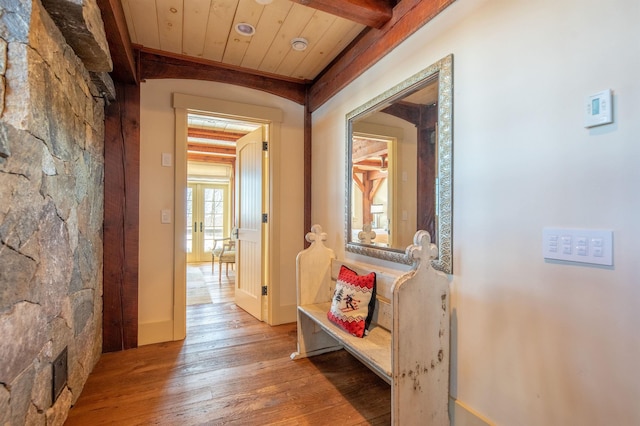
[51,216]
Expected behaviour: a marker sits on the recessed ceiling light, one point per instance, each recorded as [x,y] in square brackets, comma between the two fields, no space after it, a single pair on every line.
[245,29]
[264,1]
[299,43]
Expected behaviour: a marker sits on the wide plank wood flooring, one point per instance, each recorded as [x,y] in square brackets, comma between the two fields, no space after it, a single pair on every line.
[232,370]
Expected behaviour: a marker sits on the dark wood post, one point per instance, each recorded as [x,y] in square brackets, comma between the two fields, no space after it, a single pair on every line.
[121,226]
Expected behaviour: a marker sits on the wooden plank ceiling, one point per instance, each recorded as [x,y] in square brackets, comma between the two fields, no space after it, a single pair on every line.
[195,39]
[198,39]
[205,30]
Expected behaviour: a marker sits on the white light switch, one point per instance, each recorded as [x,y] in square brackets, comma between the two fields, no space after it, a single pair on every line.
[166,159]
[165,216]
[578,245]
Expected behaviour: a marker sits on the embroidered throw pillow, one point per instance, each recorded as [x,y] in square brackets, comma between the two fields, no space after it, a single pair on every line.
[353,301]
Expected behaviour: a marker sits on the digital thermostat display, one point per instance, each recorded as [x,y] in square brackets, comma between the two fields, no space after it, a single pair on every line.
[599,109]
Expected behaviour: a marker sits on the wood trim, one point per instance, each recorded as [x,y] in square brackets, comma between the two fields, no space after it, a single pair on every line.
[115,25]
[251,112]
[373,45]
[155,64]
[372,13]
[308,147]
[121,220]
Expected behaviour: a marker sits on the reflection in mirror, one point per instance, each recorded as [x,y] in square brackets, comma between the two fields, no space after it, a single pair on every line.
[399,168]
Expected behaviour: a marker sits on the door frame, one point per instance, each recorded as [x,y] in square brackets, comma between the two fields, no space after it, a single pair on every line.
[273,118]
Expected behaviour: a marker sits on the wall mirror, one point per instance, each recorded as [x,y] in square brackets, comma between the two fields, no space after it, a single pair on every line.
[399,168]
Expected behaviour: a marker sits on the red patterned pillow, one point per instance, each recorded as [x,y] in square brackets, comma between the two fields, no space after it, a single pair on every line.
[353,301]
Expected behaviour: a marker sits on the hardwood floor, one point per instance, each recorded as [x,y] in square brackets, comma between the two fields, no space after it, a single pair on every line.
[232,370]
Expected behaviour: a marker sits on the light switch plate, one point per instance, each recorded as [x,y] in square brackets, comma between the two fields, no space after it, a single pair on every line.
[592,246]
[166,159]
[165,216]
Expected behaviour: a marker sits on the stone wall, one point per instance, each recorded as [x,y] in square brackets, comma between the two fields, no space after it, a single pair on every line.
[51,215]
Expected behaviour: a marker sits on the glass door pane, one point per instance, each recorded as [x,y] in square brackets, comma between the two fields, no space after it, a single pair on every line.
[208,219]
[190,219]
[213,216]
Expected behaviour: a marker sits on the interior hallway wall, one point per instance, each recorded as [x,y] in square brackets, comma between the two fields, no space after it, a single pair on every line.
[534,342]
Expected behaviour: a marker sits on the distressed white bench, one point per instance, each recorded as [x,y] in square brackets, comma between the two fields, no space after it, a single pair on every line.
[408,340]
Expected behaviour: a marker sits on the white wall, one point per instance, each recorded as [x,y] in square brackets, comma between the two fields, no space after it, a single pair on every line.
[533,342]
[157,135]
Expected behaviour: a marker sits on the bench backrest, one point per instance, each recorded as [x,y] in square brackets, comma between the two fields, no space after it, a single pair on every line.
[383,313]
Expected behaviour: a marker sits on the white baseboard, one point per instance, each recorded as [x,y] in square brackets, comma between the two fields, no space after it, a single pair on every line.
[462,415]
[155,332]
[285,315]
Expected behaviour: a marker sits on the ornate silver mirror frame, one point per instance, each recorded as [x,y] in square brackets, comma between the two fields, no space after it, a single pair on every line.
[443,71]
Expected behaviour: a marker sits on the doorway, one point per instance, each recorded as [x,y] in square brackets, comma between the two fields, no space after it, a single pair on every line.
[269,119]
[225,160]
[213,140]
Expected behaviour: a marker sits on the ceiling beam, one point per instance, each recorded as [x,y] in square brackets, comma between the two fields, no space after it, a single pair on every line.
[155,64]
[219,135]
[405,111]
[115,25]
[200,158]
[373,45]
[362,149]
[372,13]
[211,149]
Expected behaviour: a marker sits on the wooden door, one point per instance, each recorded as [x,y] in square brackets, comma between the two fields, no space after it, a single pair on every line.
[249,209]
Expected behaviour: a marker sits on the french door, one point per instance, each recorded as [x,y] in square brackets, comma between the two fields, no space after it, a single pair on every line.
[207,219]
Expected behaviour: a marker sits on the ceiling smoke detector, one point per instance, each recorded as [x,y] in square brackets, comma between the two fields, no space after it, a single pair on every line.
[299,44]
[245,29]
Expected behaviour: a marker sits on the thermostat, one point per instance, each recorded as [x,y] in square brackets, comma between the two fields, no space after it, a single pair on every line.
[598,109]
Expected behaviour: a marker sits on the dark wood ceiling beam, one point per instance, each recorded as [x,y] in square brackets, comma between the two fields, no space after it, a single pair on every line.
[372,13]
[405,111]
[155,64]
[373,45]
[115,25]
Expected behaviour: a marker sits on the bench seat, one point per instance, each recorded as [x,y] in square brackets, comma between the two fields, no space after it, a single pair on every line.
[373,350]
